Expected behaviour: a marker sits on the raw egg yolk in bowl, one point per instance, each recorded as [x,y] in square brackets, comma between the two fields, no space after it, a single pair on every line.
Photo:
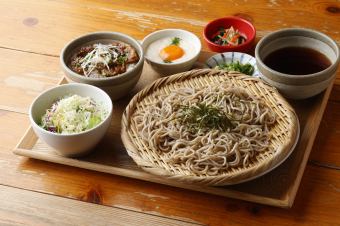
[169,50]
[171,53]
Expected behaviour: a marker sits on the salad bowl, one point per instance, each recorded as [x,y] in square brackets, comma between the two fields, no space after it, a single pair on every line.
[77,143]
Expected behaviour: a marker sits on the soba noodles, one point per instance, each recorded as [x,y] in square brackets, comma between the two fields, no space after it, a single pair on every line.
[197,145]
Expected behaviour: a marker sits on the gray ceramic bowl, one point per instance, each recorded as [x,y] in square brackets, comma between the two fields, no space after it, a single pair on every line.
[116,86]
[298,86]
[70,144]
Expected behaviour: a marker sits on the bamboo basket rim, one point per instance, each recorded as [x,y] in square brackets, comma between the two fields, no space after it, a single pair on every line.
[263,166]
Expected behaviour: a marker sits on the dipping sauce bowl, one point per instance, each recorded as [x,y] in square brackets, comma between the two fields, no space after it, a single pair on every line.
[311,48]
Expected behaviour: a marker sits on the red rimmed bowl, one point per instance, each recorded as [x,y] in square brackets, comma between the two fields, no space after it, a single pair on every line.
[243,26]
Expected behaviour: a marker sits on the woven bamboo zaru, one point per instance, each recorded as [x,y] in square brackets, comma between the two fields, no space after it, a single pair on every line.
[284,133]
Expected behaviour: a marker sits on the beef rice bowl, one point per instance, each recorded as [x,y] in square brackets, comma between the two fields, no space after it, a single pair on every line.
[111,61]
[100,60]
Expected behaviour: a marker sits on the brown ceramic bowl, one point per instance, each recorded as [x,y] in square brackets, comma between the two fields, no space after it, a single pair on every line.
[116,86]
[298,86]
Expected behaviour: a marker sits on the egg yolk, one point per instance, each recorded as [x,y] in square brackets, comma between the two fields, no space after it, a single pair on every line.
[171,53]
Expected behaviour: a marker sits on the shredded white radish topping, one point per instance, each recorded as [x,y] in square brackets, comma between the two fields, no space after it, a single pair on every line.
[101,54]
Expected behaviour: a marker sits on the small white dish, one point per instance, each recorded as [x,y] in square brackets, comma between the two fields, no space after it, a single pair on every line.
[70,144]
[165,69]
[229,57]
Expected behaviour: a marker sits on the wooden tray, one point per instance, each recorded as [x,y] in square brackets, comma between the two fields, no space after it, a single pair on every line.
[277,188]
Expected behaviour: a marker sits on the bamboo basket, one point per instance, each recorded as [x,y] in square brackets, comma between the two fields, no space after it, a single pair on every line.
[284,133]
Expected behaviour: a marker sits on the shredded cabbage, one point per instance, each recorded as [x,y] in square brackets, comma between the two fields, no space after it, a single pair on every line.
[73,114]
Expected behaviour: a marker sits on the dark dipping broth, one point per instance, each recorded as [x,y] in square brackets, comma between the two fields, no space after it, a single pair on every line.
[297,61]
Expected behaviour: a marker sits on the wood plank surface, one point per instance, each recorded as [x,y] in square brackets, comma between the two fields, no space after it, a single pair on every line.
[50,24]
[34,74]
[23,207]
[326,147]
[44,27]
[318,196]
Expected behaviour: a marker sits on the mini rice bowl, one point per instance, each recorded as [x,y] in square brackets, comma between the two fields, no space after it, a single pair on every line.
[116,86]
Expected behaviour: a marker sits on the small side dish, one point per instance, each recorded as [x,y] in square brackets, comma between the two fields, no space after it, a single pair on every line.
[228,37]
[104,60]
[234,61]
[246,69]
[169,50]
[73,114]
[229,34]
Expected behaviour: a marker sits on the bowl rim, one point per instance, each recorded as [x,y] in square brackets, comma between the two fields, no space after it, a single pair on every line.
[246,43]
[35,124]
[113,33]
[188,33]
[297,77]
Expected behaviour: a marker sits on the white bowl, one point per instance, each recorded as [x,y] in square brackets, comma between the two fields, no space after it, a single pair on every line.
[116,86]
[171,68]
[70,144]
[229,57]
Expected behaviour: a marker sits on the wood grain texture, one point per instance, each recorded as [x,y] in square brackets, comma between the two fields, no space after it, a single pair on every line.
[12,125]
[23,207]
[25,75]
[326,151]
[326,147]
[318,196]
[45,26]
[137,18]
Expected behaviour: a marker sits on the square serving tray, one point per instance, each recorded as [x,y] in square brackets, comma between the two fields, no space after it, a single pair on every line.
[276,188]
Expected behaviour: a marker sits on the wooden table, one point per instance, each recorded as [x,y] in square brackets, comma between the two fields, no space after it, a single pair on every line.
[34,192]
